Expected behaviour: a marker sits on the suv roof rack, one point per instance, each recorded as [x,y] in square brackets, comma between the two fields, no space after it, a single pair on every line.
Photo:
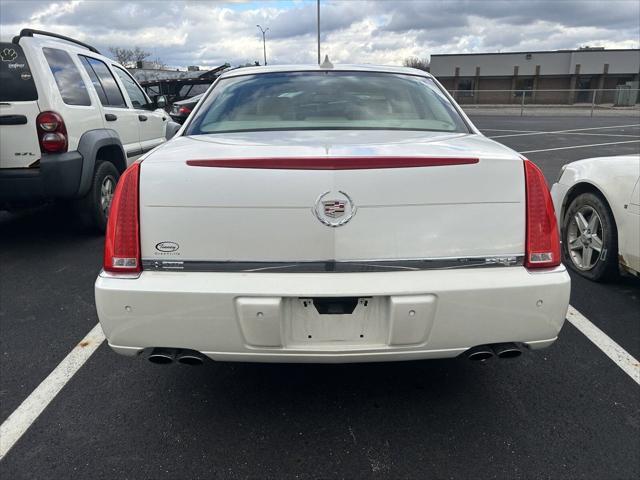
[29,32]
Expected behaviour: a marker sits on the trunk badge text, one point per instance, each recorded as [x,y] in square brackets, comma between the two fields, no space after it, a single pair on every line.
[167,247]
[334,210]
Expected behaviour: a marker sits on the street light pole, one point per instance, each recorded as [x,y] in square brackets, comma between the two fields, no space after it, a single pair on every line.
[264,42]
[318,3]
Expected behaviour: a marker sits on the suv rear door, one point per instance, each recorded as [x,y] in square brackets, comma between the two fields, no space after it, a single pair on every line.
[19,147]
[151,122]
[117,114]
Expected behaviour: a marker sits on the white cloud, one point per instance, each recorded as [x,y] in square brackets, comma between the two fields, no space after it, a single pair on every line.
[208,33]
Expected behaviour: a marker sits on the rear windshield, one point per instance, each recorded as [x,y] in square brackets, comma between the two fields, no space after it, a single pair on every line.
[326,100]
[15,76]
[188,91]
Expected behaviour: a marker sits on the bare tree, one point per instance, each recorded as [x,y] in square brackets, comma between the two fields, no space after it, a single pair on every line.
[121,55]
[128,56]
[139,54]
[416,62]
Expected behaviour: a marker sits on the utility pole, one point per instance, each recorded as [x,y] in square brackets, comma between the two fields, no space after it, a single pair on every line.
[318,3]
[264,42]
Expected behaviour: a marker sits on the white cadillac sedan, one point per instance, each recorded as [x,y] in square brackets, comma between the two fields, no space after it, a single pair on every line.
[330,214]
[598,205]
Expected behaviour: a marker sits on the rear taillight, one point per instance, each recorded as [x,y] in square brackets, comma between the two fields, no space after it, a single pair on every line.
[543,240]
[122,242]
[184,110]
[52,133]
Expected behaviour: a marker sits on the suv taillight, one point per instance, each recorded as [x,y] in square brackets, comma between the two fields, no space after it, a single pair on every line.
[122,241]
[542,239]
[184,110]
[52,133]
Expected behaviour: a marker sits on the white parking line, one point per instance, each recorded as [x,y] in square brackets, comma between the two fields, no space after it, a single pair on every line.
[579,133]
[505,130]
[542,132]
[580,146]
[22,417]
[614,351]
[30,409]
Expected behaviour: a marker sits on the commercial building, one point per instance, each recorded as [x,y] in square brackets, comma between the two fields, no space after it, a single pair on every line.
[553,77]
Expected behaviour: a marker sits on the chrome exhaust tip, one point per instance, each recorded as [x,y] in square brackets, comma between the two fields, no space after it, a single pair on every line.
[507,350]
[480,353]
[162,356]
[190,358]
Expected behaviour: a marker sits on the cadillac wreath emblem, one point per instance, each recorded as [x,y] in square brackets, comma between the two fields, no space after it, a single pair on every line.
[334,210]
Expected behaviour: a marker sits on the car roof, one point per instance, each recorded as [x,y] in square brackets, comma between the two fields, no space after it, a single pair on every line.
[44,41]
[317,68]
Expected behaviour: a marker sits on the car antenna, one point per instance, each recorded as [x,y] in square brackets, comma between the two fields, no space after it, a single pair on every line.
[326,63]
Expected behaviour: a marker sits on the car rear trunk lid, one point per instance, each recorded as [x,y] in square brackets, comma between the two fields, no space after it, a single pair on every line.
[472,206]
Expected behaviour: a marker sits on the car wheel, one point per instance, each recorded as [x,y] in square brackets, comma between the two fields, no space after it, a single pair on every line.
[590,238]
[94,206]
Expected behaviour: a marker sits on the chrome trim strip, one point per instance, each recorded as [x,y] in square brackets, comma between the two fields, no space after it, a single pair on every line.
[334,266]
[126,276]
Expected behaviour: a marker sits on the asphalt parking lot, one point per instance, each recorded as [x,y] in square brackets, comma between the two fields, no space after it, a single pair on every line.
[565,412]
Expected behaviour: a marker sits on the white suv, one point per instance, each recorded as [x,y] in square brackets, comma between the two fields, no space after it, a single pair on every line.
[71,120]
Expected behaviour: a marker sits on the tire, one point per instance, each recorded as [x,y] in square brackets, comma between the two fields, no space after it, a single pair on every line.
[93,208]
[588,225]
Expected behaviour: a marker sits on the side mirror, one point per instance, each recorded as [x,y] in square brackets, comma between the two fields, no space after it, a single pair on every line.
[161,101]
[172,129]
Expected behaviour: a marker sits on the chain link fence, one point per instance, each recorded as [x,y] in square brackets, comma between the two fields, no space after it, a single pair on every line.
[588,101]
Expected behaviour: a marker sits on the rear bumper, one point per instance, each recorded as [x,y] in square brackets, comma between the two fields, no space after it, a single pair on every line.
[58,176]
[258,316]
[178,118]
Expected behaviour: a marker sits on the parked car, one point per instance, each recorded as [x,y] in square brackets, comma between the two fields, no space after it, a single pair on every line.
[181,110]
[331,214]
[598,206]
[71,120]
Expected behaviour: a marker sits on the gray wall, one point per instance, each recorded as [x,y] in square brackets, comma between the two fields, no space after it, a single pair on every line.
[551,63]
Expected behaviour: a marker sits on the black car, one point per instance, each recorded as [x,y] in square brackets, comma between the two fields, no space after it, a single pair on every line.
[181,110]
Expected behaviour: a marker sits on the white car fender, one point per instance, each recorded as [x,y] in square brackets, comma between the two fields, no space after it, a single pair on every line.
[612,181]
[614,178]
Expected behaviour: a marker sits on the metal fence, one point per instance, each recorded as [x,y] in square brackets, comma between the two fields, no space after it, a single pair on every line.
[593,100]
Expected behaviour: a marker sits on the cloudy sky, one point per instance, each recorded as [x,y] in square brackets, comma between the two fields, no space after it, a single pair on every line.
[209,33]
